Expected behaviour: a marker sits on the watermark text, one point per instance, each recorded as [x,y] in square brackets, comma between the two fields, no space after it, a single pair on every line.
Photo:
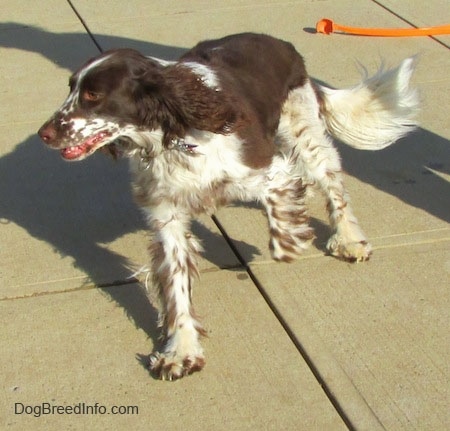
[45,408]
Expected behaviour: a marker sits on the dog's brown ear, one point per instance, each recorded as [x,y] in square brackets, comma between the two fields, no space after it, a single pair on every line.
[175,99]
[148,97]
[196,104]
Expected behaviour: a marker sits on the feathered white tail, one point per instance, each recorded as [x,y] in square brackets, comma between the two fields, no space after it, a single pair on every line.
[375,113]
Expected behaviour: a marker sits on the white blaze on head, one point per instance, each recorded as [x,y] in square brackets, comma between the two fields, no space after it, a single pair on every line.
[68,105]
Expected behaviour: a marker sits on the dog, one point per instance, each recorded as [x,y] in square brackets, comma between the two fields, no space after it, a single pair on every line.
[233,119]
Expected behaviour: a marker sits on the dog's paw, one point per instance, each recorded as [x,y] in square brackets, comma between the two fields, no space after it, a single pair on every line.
[170,366]
[351,251]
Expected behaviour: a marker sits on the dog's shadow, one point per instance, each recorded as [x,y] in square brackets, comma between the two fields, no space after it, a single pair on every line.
[69,50]
[81,208]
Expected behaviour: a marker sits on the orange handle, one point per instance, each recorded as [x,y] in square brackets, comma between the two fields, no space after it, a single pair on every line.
[327,26]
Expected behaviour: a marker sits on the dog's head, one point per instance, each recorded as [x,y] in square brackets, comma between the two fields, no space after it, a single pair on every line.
[122,94]
[103,104]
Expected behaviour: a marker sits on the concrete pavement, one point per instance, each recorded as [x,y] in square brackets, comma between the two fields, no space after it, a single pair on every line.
[314,345]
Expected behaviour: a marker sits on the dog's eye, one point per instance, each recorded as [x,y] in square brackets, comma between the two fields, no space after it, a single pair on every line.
[92,96]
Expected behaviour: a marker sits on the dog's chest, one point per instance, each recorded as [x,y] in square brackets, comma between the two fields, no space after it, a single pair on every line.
[200,181]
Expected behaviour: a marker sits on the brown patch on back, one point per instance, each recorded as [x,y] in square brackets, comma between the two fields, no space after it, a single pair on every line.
[257,72]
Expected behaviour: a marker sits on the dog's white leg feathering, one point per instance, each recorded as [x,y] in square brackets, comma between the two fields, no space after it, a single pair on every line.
[375,113]
[174,253]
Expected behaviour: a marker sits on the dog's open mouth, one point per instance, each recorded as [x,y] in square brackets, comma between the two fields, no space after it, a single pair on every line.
[86,148]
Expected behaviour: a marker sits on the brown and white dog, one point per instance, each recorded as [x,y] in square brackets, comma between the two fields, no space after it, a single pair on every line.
[234,119]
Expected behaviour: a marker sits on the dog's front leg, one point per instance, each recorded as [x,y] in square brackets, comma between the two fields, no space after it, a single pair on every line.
[174,253]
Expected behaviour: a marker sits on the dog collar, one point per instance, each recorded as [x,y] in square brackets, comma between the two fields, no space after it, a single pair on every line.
[183,146]
[176,144]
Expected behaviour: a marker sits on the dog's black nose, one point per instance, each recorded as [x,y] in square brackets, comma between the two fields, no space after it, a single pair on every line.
[47,133]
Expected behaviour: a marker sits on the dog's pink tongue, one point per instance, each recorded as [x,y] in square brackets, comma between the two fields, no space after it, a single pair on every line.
[71,153]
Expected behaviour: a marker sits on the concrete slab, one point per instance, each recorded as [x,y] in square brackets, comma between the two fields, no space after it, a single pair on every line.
[39,44]
[381,328]
[182,24]
[71,348]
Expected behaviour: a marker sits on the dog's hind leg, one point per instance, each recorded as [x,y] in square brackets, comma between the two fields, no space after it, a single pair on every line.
[305,137]
[348,241]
